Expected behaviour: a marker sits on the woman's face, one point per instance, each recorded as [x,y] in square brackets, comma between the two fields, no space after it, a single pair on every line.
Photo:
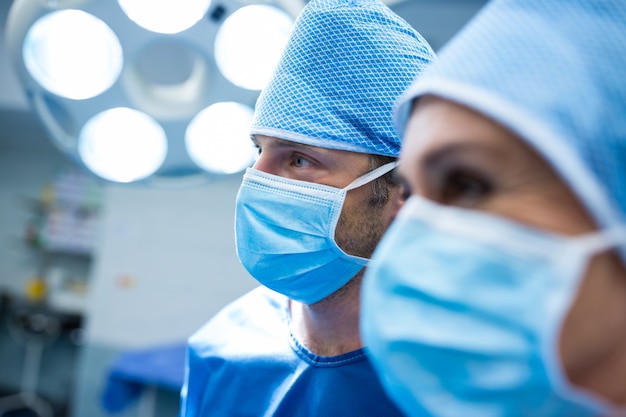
[455,156]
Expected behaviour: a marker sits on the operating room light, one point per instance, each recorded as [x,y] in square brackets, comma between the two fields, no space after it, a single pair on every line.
[249,43]
[122,145]
[218,138]
[165,16]
[151,91]
[73,54]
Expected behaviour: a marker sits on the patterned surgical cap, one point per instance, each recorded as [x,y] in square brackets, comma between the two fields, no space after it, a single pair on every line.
[553,72]
[345,65]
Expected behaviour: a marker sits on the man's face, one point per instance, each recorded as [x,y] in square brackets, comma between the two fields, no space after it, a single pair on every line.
[361,225]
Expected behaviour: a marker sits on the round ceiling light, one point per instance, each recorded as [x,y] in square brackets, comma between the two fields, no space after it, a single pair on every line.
[249,44]
[73,54]
[218,138]
[165,16]
[122,145]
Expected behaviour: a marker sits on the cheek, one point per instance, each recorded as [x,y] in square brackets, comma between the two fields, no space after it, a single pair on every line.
[593,328]
[547,207]
[360,226]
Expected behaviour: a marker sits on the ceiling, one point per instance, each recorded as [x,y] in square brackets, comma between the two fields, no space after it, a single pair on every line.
[437,20]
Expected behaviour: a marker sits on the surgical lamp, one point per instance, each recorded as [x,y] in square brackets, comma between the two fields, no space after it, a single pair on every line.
[145,89]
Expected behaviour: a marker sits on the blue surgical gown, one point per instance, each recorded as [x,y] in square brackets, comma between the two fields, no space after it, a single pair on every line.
[245,362]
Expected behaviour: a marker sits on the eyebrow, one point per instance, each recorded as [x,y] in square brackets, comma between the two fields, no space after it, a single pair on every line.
[440,155]
[282,143]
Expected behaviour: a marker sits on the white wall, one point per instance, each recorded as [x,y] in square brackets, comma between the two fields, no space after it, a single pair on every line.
[165,263]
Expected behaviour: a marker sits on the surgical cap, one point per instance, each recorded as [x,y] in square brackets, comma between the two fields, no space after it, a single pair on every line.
[344,67]
[554,73]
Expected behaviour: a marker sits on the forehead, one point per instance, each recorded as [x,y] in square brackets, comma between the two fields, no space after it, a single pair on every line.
[270,142]
[436,124]
[273,141]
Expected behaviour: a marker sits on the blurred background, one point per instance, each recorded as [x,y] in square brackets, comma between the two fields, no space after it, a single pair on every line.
[103,278]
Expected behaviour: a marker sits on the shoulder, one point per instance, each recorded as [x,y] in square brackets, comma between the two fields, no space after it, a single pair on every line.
[257,317]
[243,348]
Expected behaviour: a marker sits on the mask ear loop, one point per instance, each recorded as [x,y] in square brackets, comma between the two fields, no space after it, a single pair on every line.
[364,179]
[603,240]
[371,176]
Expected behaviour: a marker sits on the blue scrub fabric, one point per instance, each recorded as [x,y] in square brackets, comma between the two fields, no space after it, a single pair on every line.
[244,362]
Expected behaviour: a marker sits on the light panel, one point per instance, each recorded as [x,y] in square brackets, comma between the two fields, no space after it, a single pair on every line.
[168,79]
[151,91]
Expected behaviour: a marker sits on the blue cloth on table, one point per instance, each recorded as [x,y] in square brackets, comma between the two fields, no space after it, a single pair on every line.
[162,366]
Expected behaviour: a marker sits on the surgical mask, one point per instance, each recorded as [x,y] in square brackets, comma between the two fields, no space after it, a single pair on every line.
[461,311]
[285,231]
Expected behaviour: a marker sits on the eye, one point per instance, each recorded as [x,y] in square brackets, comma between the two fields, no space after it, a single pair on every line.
[464,188]
[300,162]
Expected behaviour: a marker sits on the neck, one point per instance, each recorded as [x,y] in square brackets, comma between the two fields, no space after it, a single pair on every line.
[330,327]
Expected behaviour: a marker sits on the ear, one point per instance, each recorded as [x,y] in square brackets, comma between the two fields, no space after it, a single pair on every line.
[398,201]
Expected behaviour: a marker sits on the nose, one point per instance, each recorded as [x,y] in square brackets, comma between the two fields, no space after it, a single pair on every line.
[264,163]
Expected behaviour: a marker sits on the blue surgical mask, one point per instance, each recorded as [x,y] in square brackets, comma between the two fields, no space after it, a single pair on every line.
[462,310]
[285,234]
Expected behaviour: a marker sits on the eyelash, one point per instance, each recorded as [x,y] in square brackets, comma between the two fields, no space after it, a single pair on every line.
[301,158]
[294,157]
[463,187]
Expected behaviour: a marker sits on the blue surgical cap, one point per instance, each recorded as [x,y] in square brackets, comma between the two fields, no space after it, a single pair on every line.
[340,75]
[554,73]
